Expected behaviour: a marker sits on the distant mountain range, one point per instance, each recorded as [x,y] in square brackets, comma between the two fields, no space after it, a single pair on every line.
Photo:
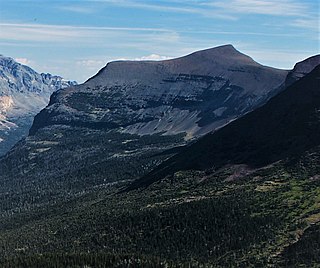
[209,160]
[23,93]
[132,115]
[120,121]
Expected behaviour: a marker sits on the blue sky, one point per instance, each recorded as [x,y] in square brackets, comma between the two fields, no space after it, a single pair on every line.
[76,38]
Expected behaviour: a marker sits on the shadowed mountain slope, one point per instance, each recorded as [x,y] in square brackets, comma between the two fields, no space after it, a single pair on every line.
[287,126]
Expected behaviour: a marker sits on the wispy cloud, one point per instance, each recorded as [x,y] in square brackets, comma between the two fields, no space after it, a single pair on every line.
[153,57]
[37,32]
[218,9]
[88,67]
[186,7]
[298,13]
[78,9]
[24,61]
[94,64]
[312,24]
[63,33]
[90,63]
[242,33]
[264,7]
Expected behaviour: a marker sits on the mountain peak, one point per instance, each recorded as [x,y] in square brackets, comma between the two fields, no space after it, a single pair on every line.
[302,68]
[223,48]
[222,61]
[225,54]
[23,93]
[307,65]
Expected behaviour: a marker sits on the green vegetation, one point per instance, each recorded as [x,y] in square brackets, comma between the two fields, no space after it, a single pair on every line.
[267,216]
[58,166]
[97,260]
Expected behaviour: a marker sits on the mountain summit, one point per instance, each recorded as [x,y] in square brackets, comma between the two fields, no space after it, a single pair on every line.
[193,94]
[224,62]
[23,93]
[302,68]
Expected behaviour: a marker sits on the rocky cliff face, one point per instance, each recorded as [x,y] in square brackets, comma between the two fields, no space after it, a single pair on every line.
[194,94]
[23,93]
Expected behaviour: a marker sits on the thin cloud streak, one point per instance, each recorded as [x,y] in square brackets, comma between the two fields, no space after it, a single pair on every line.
[228,10]
[48,26]
[220,9]
[24,61]
[164,7]
[262,7]
[151,57]
[63,33]
[312,24]
[78,9]
[241,33]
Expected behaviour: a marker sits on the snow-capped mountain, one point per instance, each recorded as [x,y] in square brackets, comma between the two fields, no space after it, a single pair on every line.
[23,93]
